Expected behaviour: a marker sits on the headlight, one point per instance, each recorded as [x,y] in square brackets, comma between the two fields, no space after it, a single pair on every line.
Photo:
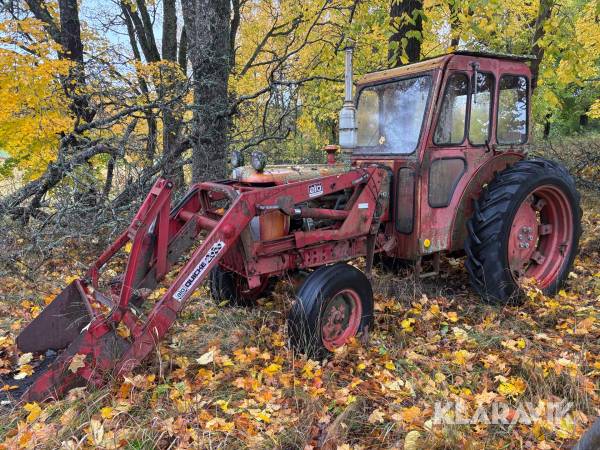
[258,161]
[237,159]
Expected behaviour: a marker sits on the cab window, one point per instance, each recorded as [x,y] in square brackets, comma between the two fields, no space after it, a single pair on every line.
[512,110]
[481,109]
[390,116]
[450,129]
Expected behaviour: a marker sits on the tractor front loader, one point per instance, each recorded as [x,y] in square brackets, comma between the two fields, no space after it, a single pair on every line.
[85,324]
[435,163]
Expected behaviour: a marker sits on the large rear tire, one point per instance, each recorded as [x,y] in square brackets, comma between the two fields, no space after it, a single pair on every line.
[334,304]
[526,224]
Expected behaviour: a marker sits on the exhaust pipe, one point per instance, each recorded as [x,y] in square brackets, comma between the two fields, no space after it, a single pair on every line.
[347,137]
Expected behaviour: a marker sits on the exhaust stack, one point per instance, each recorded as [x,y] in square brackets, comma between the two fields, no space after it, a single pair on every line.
[348,111]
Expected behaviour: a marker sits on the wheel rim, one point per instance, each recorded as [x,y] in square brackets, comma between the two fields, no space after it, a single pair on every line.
[541,236]
[340,319]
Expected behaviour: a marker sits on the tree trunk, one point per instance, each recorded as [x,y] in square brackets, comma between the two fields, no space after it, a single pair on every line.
[406,20]
[170,121]
[547,127]
[182,57]
[454,23]
[68,36]
[537,50]
[207,24]
[150,117]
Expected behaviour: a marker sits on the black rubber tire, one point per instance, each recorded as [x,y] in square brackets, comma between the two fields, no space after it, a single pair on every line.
[225,286]
[304,319]
[489,227]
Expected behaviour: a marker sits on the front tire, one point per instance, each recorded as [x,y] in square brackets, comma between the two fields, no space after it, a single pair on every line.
[226,286]
[334,304]
[526,224]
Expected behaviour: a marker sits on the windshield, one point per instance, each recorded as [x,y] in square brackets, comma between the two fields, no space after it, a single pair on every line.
[389,116]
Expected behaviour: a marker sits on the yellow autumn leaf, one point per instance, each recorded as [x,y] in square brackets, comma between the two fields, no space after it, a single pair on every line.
[272,369]
[96,432]
[512,387]
[219,424]
[439,377]
[395,385]
[25,358]
[24,371]
[452,316]
[224,405]
[34,411]
[106,412]
[462,356]
[263,417]
[407,324]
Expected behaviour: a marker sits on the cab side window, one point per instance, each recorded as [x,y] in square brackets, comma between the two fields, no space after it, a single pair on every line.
[481,109]
[512,110]
[450,129]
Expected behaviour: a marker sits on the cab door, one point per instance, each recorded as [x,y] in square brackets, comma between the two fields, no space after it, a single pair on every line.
[459,141]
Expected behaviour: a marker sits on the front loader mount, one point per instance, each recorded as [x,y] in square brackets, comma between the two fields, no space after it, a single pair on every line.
[98,333]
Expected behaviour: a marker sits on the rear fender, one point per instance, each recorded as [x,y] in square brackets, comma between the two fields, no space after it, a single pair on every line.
[473,190]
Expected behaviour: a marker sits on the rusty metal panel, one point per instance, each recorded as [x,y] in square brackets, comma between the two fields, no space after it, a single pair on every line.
[58,324]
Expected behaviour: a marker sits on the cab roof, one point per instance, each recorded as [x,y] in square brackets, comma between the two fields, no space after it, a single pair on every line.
[437,62]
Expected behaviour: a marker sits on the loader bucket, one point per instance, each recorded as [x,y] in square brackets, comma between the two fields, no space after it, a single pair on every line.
[59,323]
[97,353]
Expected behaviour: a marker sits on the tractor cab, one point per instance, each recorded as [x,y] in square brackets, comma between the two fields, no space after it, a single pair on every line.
[443,127]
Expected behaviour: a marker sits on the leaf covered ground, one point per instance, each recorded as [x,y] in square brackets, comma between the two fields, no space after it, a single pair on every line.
[225,377]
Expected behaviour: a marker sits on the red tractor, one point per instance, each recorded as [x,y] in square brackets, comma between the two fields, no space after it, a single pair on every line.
[434,160]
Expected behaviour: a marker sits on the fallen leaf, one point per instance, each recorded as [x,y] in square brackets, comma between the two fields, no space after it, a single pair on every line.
[462,356]
[452,316]
[272,369]
[34,411]
[206,358]
[106,412]
[411,414]
[24,371]
[376,416]
[411,441]
[219,424]
[97,431]
[512,387]
[25,358]
[77,362]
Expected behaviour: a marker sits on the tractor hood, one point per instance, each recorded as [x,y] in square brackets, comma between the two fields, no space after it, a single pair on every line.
[283,174]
